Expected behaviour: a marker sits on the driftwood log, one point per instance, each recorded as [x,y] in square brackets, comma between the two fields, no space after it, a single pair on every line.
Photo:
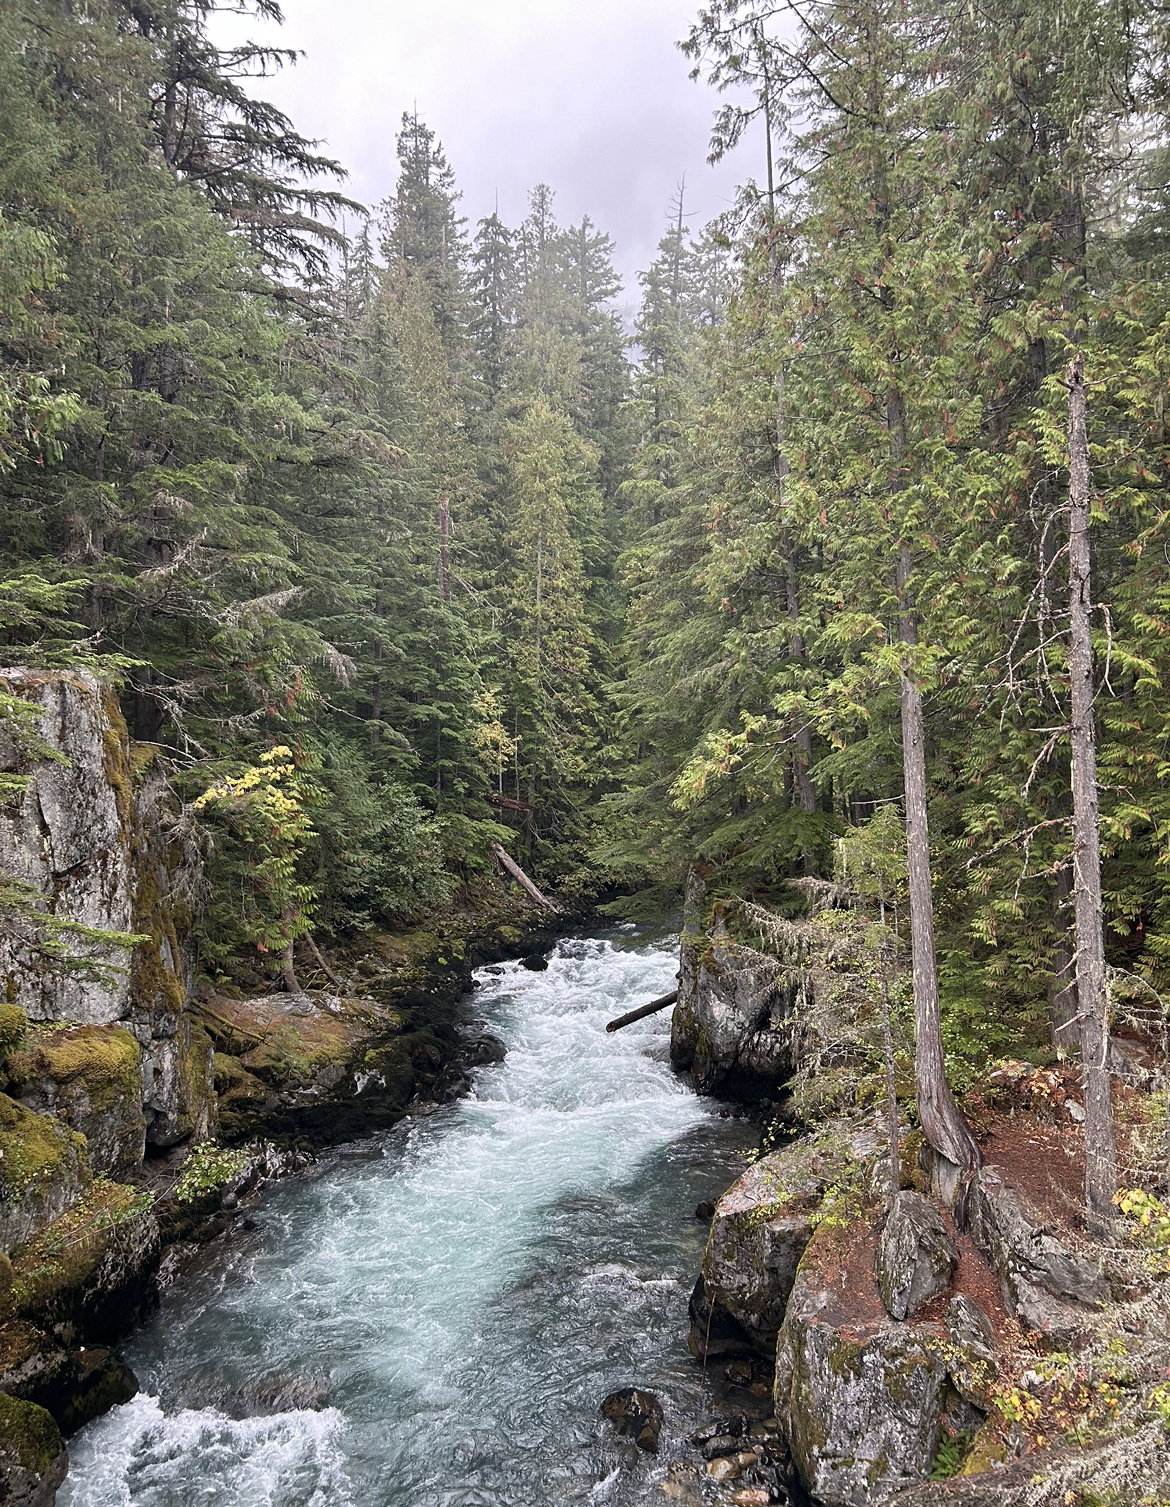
[642,1011]
[522,878]
[506,802]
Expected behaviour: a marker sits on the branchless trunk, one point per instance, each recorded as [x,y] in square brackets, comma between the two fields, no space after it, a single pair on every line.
[510,866]
[1062,985]
[1092,990]
[287,968]
[941,1119]
[893,1140]
[445,549]
[806,796]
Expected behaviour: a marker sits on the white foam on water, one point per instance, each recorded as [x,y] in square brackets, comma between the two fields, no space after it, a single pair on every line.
[142,1455]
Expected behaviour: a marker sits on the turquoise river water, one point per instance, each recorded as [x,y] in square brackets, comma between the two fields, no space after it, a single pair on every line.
[463,1291]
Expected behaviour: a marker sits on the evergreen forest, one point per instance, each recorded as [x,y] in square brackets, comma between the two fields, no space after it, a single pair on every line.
[399,545]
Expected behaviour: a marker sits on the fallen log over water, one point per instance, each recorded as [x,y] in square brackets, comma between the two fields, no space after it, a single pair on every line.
[522,878]
[642,1011]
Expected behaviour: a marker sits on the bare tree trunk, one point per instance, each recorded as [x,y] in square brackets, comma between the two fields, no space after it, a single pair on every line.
[287,969]
[893,1140]
[941,1119]
[512,867]
[445,549]
[1092,989]
[324,966]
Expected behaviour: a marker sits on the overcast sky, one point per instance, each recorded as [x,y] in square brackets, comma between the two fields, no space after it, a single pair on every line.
[590,96]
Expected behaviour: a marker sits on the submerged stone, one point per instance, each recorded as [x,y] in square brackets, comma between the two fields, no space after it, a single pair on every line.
[636,1415]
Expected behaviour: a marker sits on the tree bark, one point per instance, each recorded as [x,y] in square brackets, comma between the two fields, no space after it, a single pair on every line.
[1092,988]
[287,966]
[642,1011]
[521,877]
[324,966]
[445,549]
[941,1119]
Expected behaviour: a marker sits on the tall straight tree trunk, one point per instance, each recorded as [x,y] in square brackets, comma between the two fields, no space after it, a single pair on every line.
[1092,990]
[445,549]
[941,1119]
[806,796]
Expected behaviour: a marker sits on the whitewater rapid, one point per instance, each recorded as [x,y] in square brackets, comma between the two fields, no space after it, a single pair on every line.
[462,1292]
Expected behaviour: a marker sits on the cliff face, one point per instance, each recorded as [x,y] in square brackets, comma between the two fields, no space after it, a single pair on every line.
[89,838]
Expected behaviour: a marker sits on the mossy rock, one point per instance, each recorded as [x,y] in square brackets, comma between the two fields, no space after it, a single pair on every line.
[105,1060]
[90,1078]
[28,1436]
[13,1029]
[44,1169]
[90,1275]
[235,1085]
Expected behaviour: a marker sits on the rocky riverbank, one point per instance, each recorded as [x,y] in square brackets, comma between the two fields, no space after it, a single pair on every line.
[138,1114]
[873,1345]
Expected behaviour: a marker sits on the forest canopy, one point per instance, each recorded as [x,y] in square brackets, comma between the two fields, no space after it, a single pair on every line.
[400,545]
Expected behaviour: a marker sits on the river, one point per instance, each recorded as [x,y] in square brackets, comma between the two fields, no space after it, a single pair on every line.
[463,1290]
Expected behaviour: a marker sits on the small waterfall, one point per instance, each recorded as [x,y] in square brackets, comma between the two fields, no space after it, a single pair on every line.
[454,1299]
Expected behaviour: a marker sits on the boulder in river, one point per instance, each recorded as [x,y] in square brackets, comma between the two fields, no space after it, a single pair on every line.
[276,1393]
[916,1256]
[33,1462]
[760,1229]
[635,1414]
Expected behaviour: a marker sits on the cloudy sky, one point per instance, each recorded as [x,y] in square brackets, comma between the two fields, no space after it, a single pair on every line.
[590,96]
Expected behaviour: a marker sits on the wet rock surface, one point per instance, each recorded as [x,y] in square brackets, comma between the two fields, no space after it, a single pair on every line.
[916,1256]
[277,1394]
[635,1414]
[33,1461]
[759,1232]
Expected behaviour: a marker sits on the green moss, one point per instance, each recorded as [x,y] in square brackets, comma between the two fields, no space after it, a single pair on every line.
[196,1052]
[35,1150]
[28,1434]
[13,1029]
[61,1257]
[104,1060]
[293,1054]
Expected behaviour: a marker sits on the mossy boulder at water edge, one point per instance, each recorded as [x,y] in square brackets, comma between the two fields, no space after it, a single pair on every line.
[90,1276]
[761,1227]
[90,1078]
[44,1170]
[862,1398]
[74,1382]
[33,1462]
